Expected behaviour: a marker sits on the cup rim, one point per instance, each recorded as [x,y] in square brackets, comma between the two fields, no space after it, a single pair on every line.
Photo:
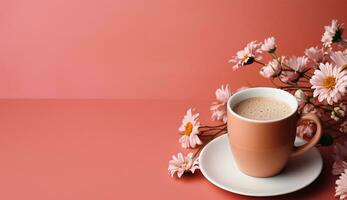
[262,88]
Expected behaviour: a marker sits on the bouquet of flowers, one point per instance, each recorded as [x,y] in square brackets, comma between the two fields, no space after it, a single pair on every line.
[317,79]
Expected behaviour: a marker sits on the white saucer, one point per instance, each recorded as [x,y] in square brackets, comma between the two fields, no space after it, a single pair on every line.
[217,165]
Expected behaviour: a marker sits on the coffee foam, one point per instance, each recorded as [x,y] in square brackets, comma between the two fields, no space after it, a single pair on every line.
[262,108]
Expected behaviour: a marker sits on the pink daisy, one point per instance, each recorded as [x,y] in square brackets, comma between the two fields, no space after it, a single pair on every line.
[219,107]
[270,70]
[315,54]
[306,129]
[301,98]
[341,186]
[343,127]
[309,108]
[332,33]
[337,113]
[339,58]
[269,45]
[329,83]
[340,157]
[289,76]
[298,64]
[182,164]
[190,130]
[247,56]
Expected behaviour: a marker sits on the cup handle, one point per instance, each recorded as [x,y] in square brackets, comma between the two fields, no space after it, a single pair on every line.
[302,149]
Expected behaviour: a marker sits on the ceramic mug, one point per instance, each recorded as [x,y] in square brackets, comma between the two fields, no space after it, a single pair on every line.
[263,148]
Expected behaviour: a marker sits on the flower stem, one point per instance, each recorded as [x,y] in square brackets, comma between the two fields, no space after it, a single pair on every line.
[208,141]
[273,83]
[297,86]
[303,80]
[256,61]
[210,130]
[288,83]
[306,76]
[213,126]
[274,55]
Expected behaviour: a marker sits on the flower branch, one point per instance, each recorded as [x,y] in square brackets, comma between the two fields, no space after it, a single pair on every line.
[318,80]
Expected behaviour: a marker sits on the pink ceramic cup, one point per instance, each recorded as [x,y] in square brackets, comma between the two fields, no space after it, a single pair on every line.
[263,148]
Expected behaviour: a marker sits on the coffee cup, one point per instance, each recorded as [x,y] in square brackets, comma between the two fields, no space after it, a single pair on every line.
[262,142]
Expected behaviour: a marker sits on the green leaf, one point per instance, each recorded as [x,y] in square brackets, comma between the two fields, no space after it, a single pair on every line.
[326,140]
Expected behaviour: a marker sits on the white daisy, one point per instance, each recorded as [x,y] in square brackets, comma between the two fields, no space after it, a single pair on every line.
[247,56]
[219,107]
[339,58]
[301,97]
[315,54]
[269,45]
[337,113]
[298,64]
[341,186]
[190,130]
[329,83]
[182,164]
[332,33]
[270,70]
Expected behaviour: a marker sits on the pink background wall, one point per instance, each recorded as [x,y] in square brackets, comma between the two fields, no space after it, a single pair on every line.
[173,49]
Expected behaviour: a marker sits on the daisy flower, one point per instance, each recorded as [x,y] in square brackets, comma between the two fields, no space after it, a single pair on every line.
[340,158]
[309,108]
[190,130]
[182,164]
[301,98]
[337,113]
[219,107]
[269,45]
[289,76]
[329,83]
[343,127]
[341,186]
[298,64]
[339,58]
[305,129]
[332,33]
[247,56]
[315,54]
[270,70]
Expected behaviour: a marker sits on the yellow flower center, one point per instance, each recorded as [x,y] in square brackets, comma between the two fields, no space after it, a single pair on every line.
[189,129]
[245,57]
[184,164]
[219,102]
[329,82]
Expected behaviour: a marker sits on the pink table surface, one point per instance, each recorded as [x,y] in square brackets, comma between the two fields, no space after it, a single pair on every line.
[106,149]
